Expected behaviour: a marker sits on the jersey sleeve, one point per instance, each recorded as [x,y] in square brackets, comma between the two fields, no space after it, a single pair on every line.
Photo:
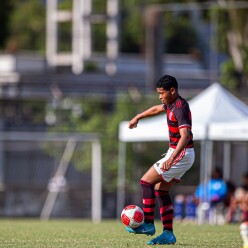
[183,117]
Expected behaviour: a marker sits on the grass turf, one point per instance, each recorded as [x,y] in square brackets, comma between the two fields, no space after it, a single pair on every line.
[25,233]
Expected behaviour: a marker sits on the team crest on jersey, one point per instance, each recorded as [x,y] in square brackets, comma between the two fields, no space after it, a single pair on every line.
[170,115]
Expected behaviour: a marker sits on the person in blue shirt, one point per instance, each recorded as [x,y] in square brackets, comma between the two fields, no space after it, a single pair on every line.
[210,197]
[216,189]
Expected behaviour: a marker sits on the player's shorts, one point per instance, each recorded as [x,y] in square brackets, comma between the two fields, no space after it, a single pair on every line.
[181,164]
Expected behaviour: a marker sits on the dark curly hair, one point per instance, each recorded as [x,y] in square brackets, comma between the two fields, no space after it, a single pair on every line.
[167,82]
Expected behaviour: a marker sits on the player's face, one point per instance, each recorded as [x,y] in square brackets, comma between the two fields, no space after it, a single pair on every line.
[166,96]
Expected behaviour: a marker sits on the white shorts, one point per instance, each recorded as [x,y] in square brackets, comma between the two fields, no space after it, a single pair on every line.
[181,164]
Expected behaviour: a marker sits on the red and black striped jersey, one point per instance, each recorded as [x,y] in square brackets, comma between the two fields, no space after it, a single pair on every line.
[178,116]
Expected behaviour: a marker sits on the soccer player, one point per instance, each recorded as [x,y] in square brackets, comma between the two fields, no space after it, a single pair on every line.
[159,179]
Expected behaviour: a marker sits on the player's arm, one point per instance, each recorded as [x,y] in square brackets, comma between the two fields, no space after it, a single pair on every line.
[157,109]
[185,136]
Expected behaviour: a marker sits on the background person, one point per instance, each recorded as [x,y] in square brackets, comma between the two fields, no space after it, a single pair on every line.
[238,209]
[210,198]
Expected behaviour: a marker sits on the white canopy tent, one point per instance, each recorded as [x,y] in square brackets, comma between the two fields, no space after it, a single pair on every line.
[230,131]
[216,115]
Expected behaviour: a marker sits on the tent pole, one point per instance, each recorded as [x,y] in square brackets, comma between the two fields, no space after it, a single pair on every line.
[206,166]
[227,160]
[208,172]
[205,182]
[208,162]
[202,162]
[121,178]
[209,154]
[201,210]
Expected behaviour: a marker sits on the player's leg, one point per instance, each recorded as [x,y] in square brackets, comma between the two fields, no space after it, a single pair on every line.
[147,182]
[165,204]
[166,214]
[150,178]
[162,188]
[149,201]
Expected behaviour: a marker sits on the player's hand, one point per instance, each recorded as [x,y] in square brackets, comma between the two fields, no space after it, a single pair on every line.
[133,123]
[167,164]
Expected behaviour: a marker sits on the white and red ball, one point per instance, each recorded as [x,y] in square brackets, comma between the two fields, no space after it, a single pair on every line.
[132,216]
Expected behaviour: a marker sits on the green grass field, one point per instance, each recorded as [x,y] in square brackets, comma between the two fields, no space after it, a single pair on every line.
[81,233]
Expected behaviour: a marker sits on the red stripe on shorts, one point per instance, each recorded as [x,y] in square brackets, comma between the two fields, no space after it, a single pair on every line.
[180,157]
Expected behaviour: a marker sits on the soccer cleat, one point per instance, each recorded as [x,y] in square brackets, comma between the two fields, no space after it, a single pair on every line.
[166,238]
[145,228]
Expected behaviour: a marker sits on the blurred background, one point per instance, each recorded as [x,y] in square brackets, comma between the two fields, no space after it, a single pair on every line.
[72,70]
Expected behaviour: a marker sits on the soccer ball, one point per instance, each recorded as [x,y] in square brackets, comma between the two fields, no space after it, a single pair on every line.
[132,216]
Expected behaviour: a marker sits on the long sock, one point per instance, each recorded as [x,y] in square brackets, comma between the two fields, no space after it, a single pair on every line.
[149,201]
[166,209]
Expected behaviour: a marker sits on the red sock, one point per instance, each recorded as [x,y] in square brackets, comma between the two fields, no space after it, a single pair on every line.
[149,201]
[166,209]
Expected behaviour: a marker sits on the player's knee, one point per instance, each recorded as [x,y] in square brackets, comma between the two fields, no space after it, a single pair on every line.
[144,182]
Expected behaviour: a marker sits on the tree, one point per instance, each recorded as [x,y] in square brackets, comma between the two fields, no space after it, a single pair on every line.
[27,26]
[132,28]
[233,36]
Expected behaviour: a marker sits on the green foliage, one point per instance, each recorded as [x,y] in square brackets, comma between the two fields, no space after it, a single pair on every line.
[65,28]
[99,6]
[65,4]
[99,37]
[34,111]
[27,31]
[180,34]
[229,75]
[233,22]
[91,66]
[64,36]
[245,57]
[221,29]
[23,112]
[27,26]
[132,26]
